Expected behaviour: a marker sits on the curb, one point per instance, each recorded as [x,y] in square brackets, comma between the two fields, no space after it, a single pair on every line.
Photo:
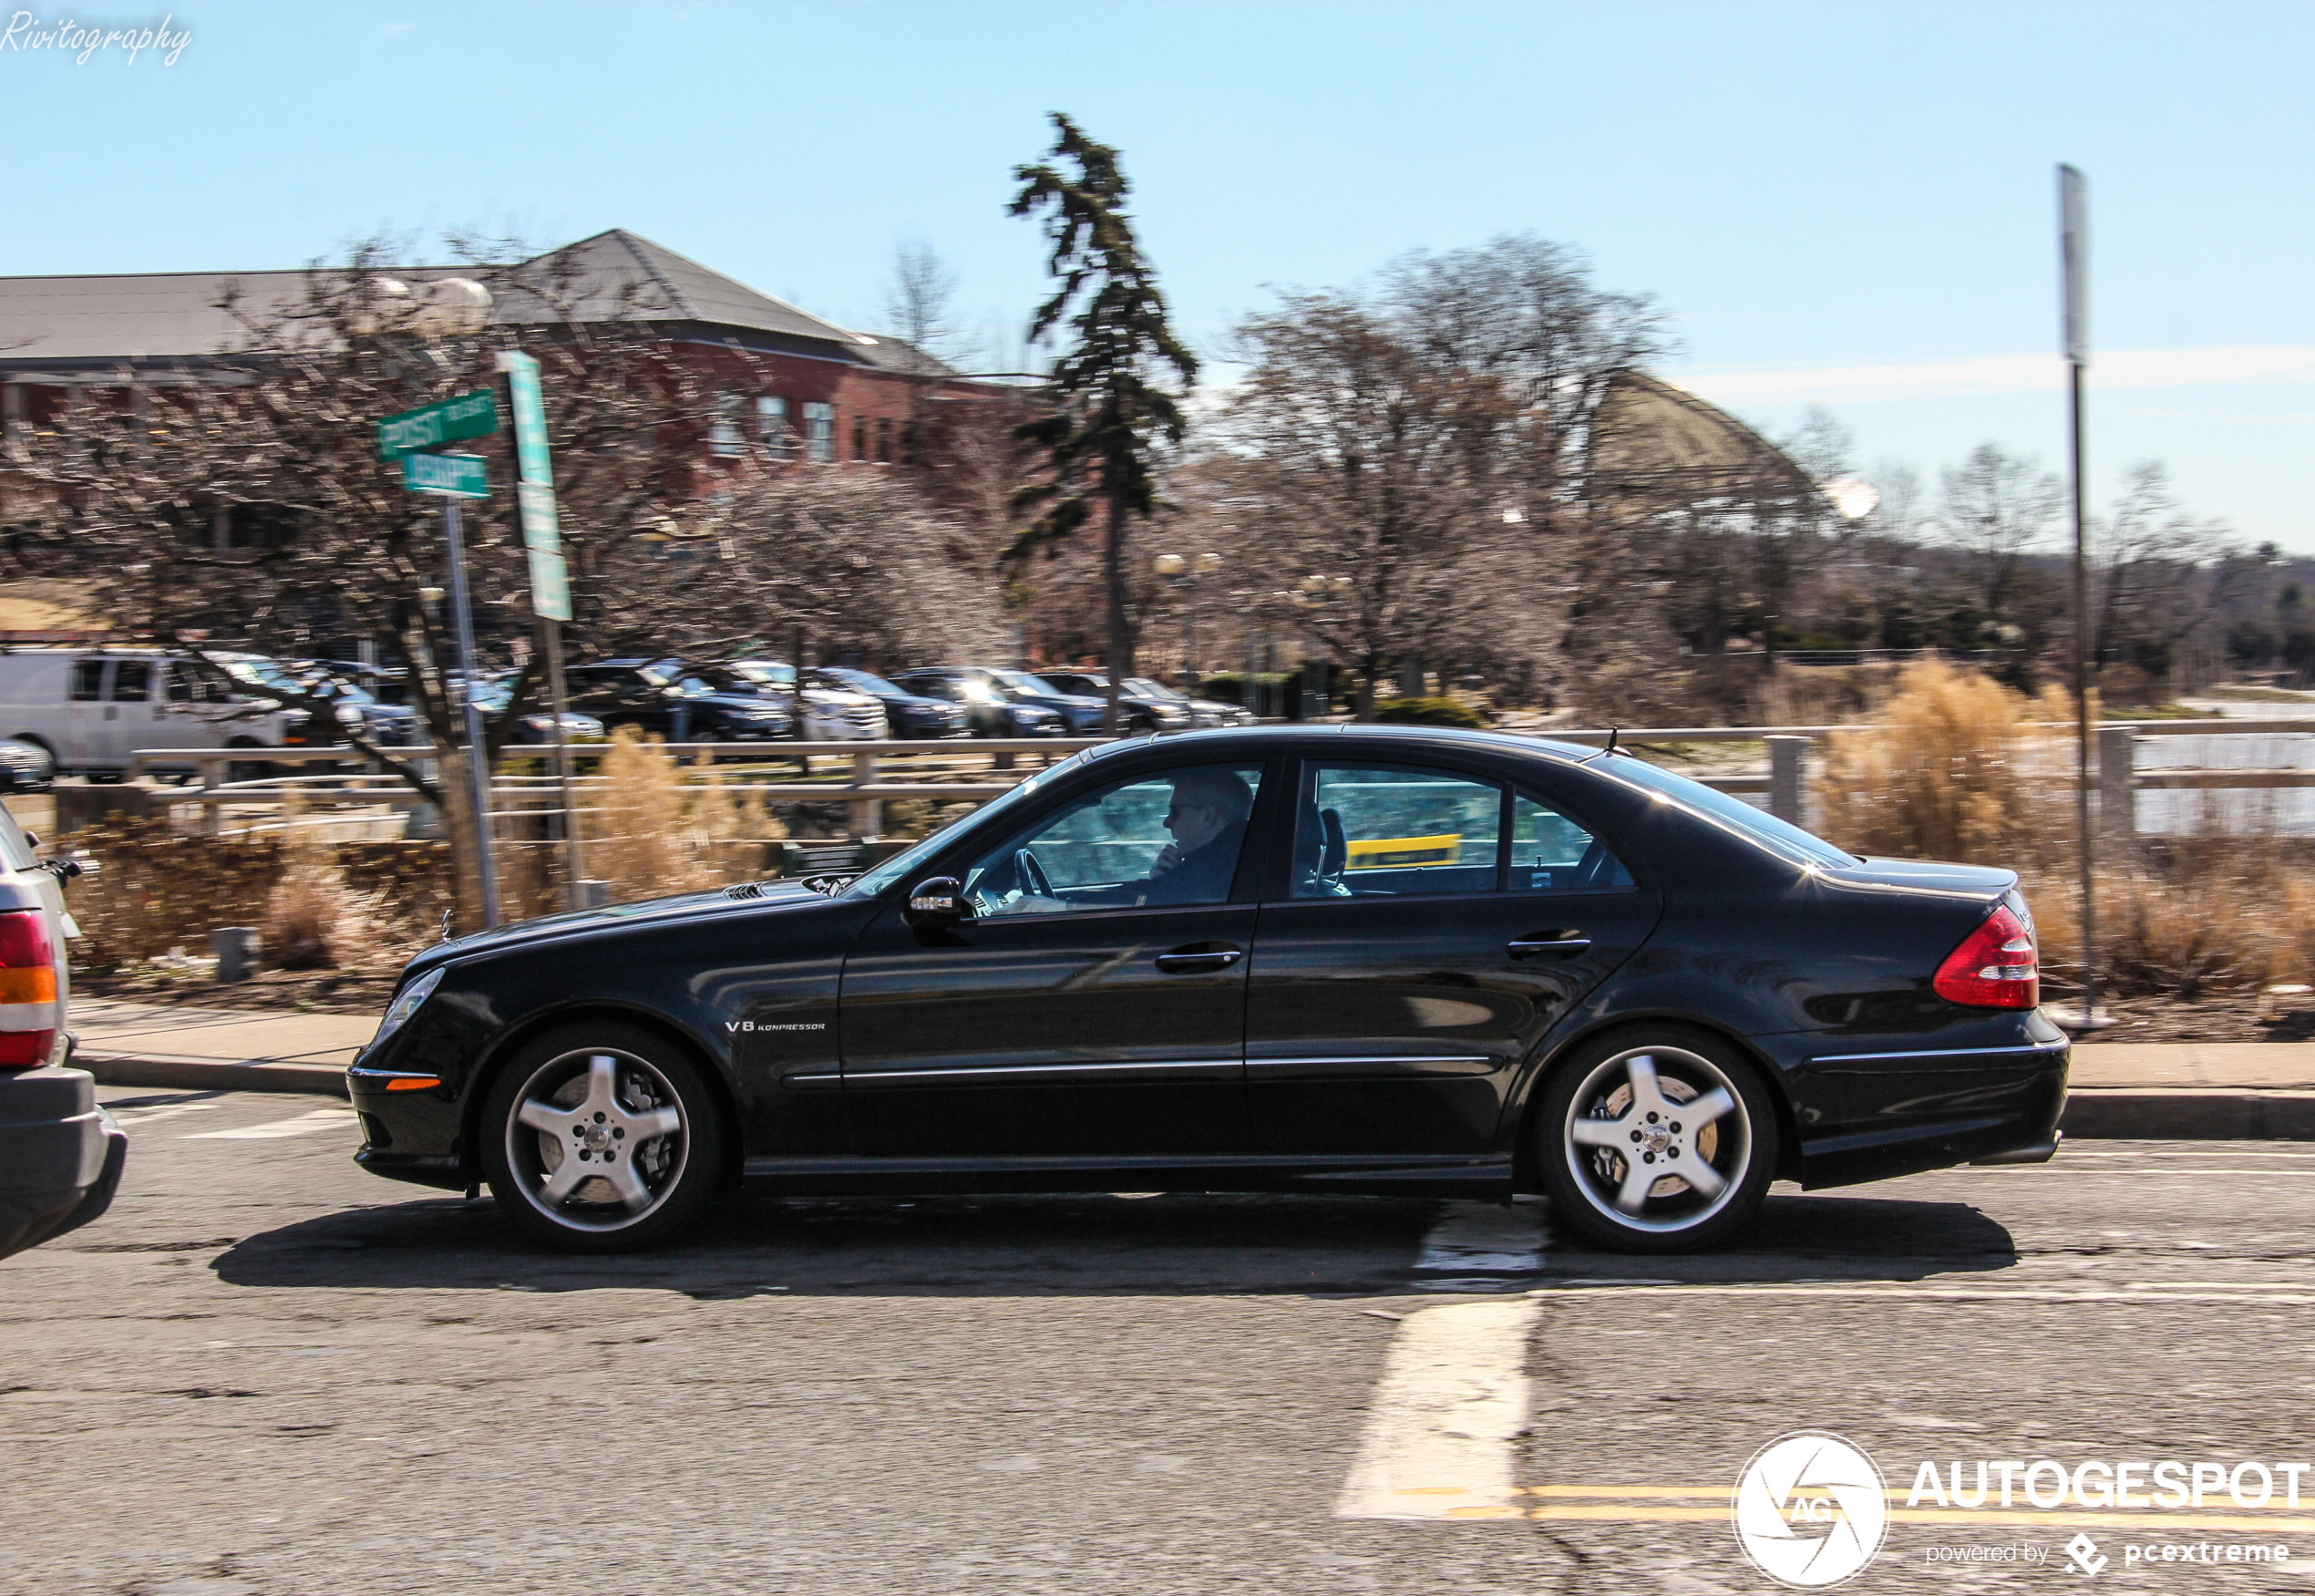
[157,1069]
[2188,1114]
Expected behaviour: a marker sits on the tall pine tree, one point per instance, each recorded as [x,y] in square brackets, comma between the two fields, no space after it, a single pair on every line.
[1110,411]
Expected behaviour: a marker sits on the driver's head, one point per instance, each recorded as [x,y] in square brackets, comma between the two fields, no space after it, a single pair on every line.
[1206,803]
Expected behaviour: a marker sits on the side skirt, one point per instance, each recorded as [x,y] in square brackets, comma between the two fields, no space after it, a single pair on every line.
[1488,1179]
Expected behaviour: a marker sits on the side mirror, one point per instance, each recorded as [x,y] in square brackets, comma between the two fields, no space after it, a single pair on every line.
[938,900]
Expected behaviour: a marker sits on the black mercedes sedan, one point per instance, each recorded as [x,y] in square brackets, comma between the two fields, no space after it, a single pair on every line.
[1387,960]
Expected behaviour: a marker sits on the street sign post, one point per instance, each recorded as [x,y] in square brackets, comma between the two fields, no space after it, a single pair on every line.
[474,415]
[2074,267]
[452,476]
[405,437]
[534,493]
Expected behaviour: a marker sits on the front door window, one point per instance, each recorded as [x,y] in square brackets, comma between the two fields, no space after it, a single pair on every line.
[1168,839]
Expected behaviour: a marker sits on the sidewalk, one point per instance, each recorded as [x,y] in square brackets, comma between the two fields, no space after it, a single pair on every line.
[161,1044]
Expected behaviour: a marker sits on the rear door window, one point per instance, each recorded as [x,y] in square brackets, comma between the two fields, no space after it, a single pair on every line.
[1367,830]
[88,681]
[1550,853]
[131,681]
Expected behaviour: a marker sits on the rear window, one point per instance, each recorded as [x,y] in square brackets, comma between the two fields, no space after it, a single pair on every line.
[1780,836]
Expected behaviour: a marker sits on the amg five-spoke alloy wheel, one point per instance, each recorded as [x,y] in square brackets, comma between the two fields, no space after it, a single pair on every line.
[1661,1141]
[600,1138]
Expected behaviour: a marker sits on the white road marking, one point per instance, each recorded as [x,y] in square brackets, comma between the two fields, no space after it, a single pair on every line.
[129,1118]
[303,1125]
[1485,1238]
[1444,1419]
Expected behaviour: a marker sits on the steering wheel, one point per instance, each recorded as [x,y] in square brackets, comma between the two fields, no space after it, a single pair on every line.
[1031,874]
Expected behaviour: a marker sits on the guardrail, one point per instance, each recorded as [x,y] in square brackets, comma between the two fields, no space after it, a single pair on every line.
[875,773]
[865,787]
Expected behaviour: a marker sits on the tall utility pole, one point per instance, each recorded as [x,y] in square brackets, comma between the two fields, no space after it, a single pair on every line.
[478,752]
[2073,255]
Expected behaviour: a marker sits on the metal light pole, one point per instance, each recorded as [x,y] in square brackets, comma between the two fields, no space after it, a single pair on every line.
[478,755]
[2074,252]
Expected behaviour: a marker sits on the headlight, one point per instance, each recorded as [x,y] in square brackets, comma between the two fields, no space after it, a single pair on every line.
[406,1003]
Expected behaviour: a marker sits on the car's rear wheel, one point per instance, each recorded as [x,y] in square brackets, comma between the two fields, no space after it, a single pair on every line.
[601,1138]
[1662,1140]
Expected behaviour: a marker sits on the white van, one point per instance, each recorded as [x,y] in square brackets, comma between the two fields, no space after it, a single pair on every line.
[91,708]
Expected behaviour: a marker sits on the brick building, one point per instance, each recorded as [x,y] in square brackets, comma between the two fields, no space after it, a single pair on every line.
[830,394]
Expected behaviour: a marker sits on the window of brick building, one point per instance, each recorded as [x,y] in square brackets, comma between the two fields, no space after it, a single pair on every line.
[909,442]
[859,437]
[771,425]
[723,434]
[884,439]
[819,430]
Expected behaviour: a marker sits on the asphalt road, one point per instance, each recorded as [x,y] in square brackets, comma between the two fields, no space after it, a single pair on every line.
[266,1372]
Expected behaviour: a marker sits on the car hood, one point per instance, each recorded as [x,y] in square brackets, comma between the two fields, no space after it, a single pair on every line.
[1925,875]
[742,702]
[618,917]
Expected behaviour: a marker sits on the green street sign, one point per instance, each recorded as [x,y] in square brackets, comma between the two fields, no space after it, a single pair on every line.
[453,476]
[550,585]
[530,418]
[474,415]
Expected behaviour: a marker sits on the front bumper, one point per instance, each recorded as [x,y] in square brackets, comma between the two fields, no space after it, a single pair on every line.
[61,1156]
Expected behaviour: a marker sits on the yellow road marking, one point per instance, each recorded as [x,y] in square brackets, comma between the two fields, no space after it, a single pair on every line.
[1635,1504]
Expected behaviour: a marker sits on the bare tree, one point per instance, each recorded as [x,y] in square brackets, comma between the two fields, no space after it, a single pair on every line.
[1997,509]
[2161,575]
[280,442]
[920,299]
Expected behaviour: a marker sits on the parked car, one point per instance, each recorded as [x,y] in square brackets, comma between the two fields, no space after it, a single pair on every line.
[90,709]
[26,767]
[61,1155]
[994,707]
[908,714]
[1154,706]
[538,726]
[827,711]
[1386,959]
[668,699]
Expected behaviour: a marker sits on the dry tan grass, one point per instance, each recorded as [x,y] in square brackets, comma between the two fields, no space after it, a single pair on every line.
[1958,770]
[650,832]
[1961,771]
[316,919]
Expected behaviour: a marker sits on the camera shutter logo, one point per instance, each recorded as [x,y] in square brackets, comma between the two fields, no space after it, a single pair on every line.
[1810,1509]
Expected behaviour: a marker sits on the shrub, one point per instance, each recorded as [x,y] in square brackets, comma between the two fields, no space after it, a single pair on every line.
[1958,769]
[650,833]
[313,918]
[1427,712]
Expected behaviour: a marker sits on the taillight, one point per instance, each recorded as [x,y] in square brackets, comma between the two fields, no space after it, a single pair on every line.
[27,990]
[1996,967]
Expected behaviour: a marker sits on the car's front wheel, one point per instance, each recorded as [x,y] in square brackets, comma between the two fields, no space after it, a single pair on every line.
[601,1138]
[1663,1140]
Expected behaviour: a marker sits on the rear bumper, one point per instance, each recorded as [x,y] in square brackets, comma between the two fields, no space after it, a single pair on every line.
[61,1156]
[1903,1111]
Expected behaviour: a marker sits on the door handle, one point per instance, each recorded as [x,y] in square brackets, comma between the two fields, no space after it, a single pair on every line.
[1192,962]
[1566,943]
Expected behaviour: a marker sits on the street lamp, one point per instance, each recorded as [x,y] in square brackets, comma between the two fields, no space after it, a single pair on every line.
[1177,570]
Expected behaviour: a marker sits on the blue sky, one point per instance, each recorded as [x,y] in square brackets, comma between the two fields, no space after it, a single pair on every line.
[1848,204]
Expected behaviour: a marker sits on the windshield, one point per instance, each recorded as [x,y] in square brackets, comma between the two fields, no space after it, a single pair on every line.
[864,682]
[902,864]
[1027,685]
[259,674]
[1143,687]
[1782,835]
[767,675]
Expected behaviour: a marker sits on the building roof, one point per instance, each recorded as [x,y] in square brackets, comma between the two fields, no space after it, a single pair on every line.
[60,322]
